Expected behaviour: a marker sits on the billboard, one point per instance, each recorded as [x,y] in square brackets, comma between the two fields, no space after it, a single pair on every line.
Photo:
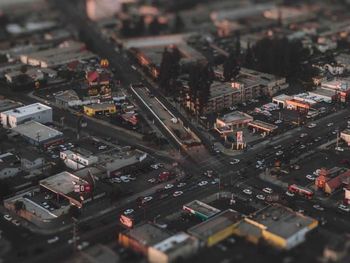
[239,137]
[126,221]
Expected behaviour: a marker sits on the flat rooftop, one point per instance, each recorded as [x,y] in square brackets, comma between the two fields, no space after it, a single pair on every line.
[6,104]
[283,221]
[62,183]
[322,92]
[174,242]
[148,234]
[282,97]
[346,131]
[100,106]
[235,116]
[27,110]
[263,125]
[201,208]
[218,89]
[215,224]
[37,131]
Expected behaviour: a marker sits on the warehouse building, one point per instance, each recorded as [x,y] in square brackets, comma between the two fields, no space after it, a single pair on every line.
[39,134]
[277,225]
[173,249]
[200,209]
[217,228]
[37,112]
[99,109]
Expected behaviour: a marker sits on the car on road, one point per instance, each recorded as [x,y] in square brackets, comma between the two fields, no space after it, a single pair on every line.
[203,183]
[344,208]
[83,245]
[71,241]
[339,149]
[290,194]
[168,186]
[301,147]
[152,180]
[7,217]
[181,185]
[128,211]
[260,197]
[247,191]
[310,177]
[279,153]
[330,124]
[312,125]
[267,190]
[234,161]
[278,121]
[147,199]
[318,207]
[177,193]
[16,222]
[53,240]
[304,134]
[317,139]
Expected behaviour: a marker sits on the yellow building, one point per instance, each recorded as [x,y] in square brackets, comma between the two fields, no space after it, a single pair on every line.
[99,109]
[217,228]
[277,225]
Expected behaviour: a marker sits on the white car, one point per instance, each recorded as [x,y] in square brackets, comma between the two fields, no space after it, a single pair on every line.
[247,191]
[128,211]
[302,147]
[147,199]
[177,193]
[344,208]
[311,125]
[152,180]
[203,183]
[303,135]
[235,161]
[267,190]
[330,124]
[279,153]
[278,122]
[53,240]
[339,149]
[16,222]
[168,186]
[83,245]
[318,207]
[310,177]
[7,217]
[155,166]
[290,194]
[102,147]
[317,172]
[260,197]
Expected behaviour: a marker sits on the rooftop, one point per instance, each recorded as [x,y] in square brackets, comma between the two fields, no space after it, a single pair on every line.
[6,104]
[174,242]
[201,208]
[37,131]
[215,224]
[100,106]
[27,110]
[282,97]
[63,182]
[235,116]
[148,234]
[218,89]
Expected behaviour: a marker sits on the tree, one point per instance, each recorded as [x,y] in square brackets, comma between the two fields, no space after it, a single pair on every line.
[231,67]
[5,189]
[19,205]
[140,26]
[169,71]
[154,26]
[179,24]
[238,45]
[249,57]
[74,212]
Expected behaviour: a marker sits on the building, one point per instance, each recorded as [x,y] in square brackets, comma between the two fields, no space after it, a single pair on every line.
[31,160]
[69,98]
[53,57]
[281,100]
[344,60]
[263,127]
[333,179]
[345,135]
[200,209]
[9,165]
[337,182]
[103,9]
[39,134]
[37,112]
[298,104]
[142,237]
[324,95]
[231,121]
[78,159]
[177,247]
[277,225]
[67,186]
[100,109]
[217,228]
[6,105]
[340,86]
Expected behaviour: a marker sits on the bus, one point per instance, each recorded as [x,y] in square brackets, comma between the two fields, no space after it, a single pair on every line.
[302,191]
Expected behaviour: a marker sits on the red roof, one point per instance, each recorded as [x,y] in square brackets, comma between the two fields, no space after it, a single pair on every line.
[92,76]
[337,181]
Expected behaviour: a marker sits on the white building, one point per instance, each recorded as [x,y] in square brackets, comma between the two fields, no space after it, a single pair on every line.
[37,112]
[77,160]
[101,9]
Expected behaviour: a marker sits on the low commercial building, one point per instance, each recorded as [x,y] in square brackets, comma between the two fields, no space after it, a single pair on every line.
[200,209]
[78,159]
[9,165]
[177,247]
[37,112]
[99,109]
[142,237]
[6,104]
[341,86]
[277,225]
[231,121]
[324,95]
[31,160]
[69,98]
[261,126]
[345,135]
[217,228]
[281,100]
[298,104]
[39,134]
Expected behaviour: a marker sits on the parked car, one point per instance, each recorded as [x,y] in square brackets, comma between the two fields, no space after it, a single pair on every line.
[177,193]
[260,197]
[128,211]
[344,208]
[234,161]
[247,191]
[53,240]
[267,190]
[203,183]
[7,217]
